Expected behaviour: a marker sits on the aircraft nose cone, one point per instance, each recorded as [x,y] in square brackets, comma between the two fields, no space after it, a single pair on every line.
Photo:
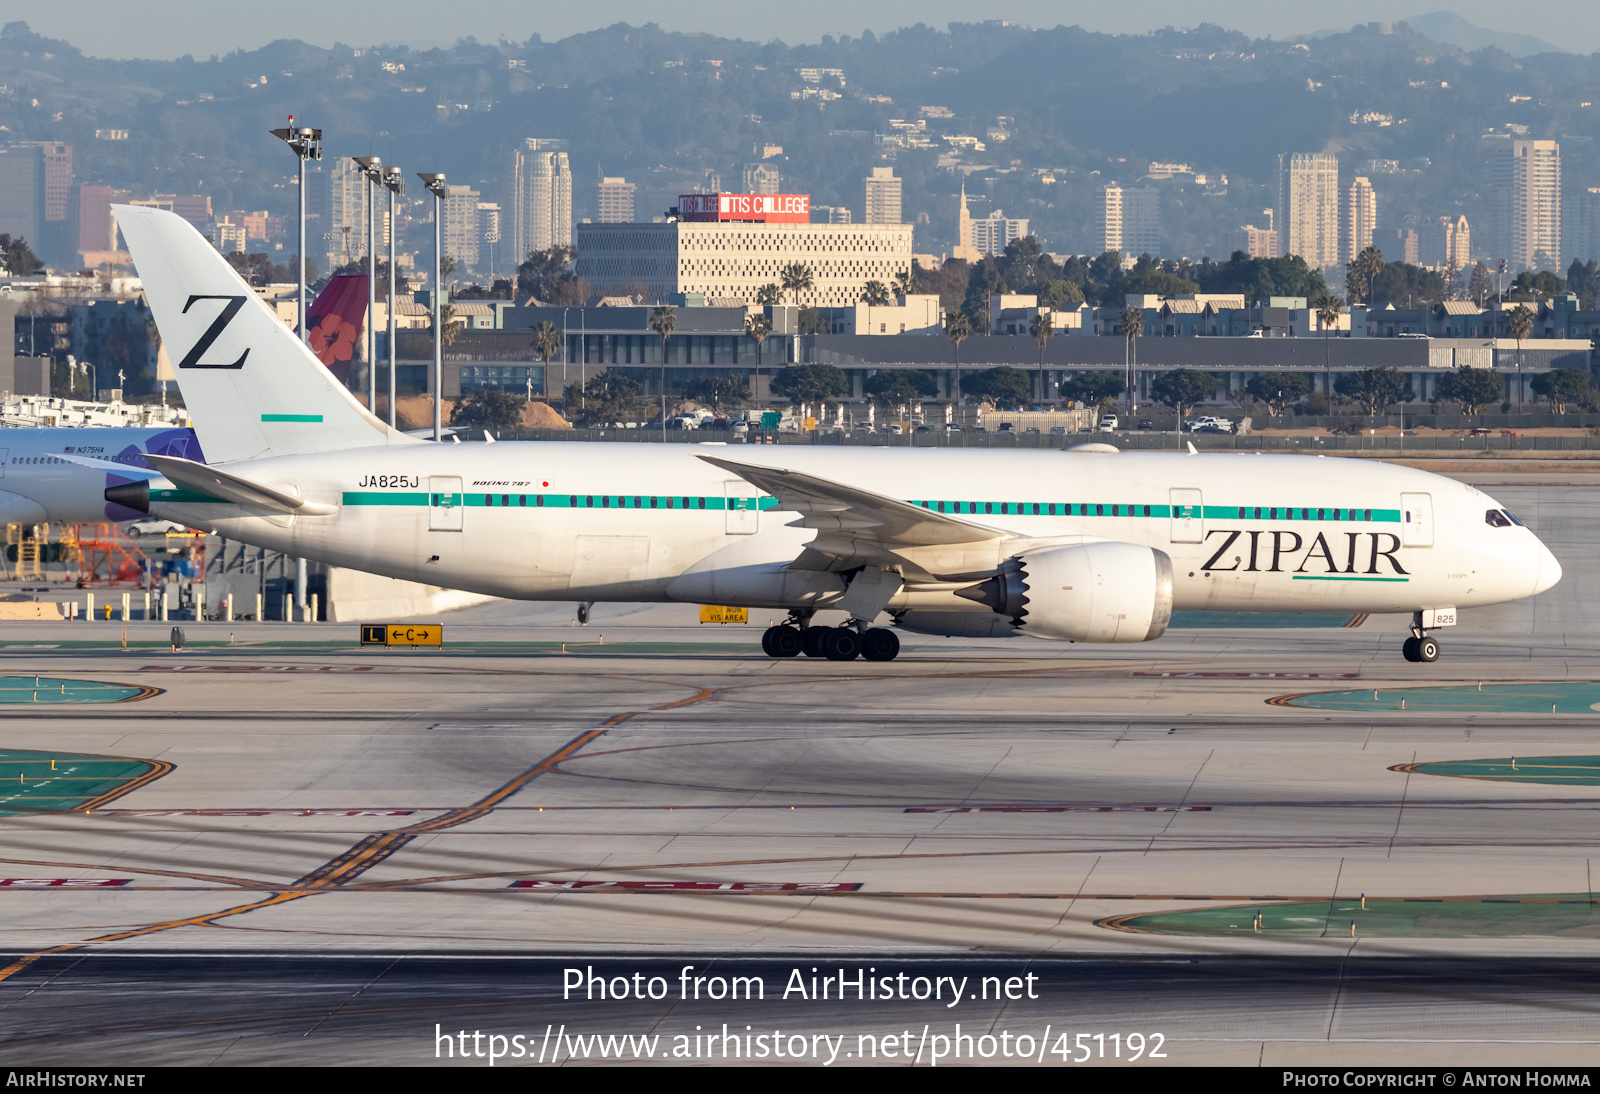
[1549,569]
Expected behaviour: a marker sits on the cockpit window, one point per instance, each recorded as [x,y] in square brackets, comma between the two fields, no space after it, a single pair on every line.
[1513,518]
[1497,518]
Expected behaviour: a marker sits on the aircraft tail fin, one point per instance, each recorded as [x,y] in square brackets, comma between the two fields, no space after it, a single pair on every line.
[336,317]
[251,386]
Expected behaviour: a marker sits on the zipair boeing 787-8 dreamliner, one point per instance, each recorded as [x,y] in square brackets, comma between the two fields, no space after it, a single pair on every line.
[1080,546]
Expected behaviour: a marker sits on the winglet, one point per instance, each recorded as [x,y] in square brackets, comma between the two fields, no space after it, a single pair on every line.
[1193,451]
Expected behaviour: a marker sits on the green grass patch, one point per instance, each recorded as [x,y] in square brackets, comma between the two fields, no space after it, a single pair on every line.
[59,781]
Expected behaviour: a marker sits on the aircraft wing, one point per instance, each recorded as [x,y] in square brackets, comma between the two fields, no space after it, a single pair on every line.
[858,527]
[229,487]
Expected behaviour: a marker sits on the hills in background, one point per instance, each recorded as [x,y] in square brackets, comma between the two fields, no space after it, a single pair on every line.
[1059,111]
[1448,28]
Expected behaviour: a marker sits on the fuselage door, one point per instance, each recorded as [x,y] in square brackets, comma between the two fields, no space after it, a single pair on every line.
[1188,521]
[1416,513]
[5,458]
[446,504]
[743,508]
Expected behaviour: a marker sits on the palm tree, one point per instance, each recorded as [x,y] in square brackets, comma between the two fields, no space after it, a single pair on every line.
[1519,321]
[757,327]
[797,278]
[956,328]
[905,282]
[1328,313]
[1042,327]
[769,294]
[1132,324]
[1364,269]
[447,325]
[546,343]
[875,294]
[662,320]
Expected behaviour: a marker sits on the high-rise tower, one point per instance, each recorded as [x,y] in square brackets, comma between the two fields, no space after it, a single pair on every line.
[1308,207]
[540,198]
[882,204]
[1360,217]
[1533,195]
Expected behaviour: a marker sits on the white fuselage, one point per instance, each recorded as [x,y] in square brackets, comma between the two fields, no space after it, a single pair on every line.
[37,486]
[636,522]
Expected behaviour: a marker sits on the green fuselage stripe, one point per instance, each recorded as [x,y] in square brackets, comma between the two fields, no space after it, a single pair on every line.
[1342,577]
[291,417]
[955,508]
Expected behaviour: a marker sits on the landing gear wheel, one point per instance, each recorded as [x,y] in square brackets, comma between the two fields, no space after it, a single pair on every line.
[583,613]
[1409,650]
[781,641]
[811,640]
[842,644]
[880,644]
[1427,649]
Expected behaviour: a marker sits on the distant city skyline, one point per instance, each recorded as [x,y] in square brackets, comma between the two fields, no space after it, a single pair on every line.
[165,29]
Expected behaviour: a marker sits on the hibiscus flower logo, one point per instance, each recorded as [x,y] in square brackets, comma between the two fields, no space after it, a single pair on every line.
[333,339]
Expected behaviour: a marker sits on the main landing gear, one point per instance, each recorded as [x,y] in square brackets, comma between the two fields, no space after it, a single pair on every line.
[1419,647]
[846,643]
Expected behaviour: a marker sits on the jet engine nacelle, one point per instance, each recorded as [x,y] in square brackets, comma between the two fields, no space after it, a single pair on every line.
[1086,592]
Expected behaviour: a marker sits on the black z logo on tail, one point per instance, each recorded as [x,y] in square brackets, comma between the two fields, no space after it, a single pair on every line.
[213,332]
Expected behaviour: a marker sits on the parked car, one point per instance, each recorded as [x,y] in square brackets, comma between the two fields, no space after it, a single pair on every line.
[1007,427]
[891,427]
[1108,424]
[1058,431]
[740,428]
[153,528]
[1146,423]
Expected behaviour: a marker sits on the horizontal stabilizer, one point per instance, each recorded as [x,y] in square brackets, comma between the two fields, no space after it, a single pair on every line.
[220,484]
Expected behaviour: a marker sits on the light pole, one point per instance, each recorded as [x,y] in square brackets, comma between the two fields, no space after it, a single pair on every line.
[395,183]
[372,171]
[436,186]
[306,144]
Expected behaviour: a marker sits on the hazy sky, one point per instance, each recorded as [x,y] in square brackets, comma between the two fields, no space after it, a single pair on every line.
[171,28]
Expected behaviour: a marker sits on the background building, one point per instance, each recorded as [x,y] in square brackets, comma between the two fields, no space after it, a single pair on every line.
[1444,242]
[990,234]
[1585,243]
[733,259]
[762,178]
[35,196]
[613,202]
[1130,220]
[1533,206]
[831,214]
[460,229]
[345,221]
[1253,241]
[882,204]
[540,198]
[1400,245]
[1308,207]
[1360,217]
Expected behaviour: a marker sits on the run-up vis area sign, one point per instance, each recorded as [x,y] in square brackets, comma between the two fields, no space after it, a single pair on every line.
[715,613]
[402,634]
